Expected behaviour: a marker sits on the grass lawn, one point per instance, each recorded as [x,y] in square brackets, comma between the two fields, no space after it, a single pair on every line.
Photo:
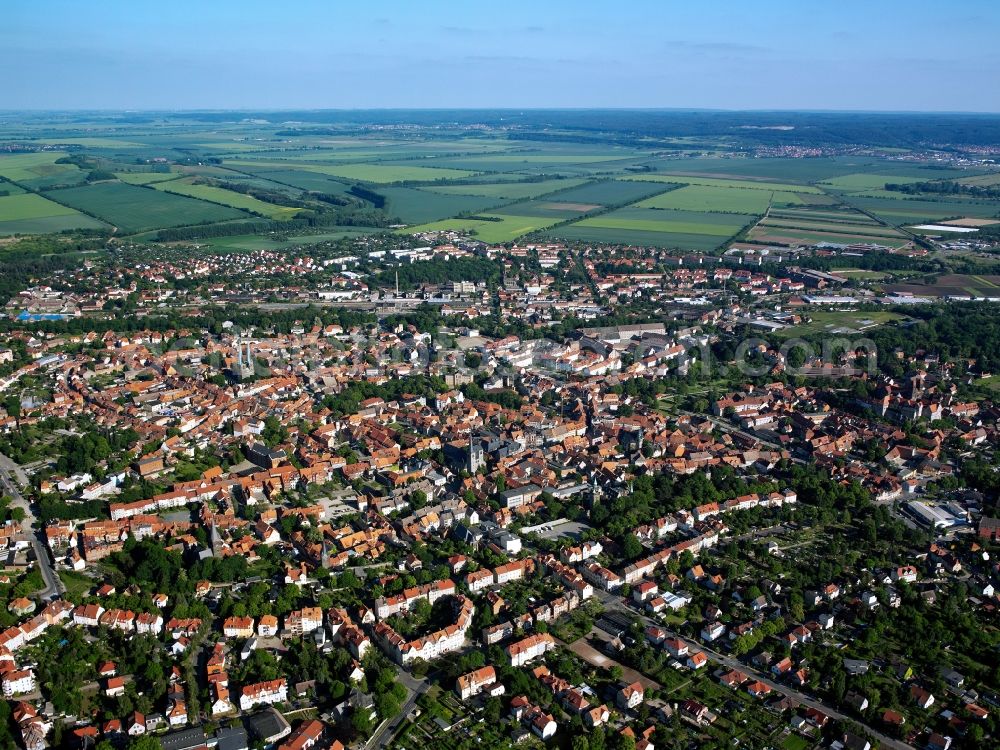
[77,584]
[858,273]
[827,322]
[796,742]
[991,383]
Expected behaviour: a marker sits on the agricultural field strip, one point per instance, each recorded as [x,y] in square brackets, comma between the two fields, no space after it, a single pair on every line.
[861,221]
[225,198]
[132,208]
[909,211]
[369,172]
[18,166]
[704,198]
[147,178]
[507,190]
[31,206]
[491,228]
[637,237]
[984,180]
[864,181]
[809,213]
[539,213]
[765,233]
[716,182]
[684,222]
[875,229]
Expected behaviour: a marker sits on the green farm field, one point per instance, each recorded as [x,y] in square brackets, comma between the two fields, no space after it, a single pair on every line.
[553,209]
[801,237]
[383,174]
[531,159]
[855,183]
[728,200]
[847,215]
[227,198]
[38,171]
[610,192]
[985,180]
[506,228]
[803,171]
[687,230]
[92,142]
[636,237]
[21,167]
[874,230]
[682,222]
[145,178]
[898,211]
[507,190]
[686,191]
[264,242]
[723,183]
[132,208]
[413,206]
[28,213]
[953,284]
[547,164]
[30,206]
[296,178]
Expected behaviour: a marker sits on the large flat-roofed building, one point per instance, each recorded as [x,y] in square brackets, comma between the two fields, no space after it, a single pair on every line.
[931,515]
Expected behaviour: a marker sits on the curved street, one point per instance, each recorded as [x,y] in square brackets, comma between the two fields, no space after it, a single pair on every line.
[12,478]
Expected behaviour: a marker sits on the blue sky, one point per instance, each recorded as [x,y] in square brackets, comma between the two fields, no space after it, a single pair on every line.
[742,54]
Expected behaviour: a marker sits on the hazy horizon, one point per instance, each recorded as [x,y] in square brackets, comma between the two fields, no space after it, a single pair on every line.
[892,57]
[388,108]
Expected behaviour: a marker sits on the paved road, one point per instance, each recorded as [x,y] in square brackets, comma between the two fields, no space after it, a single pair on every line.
[10,467]
[416,687]
[8,486]
[611,601]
